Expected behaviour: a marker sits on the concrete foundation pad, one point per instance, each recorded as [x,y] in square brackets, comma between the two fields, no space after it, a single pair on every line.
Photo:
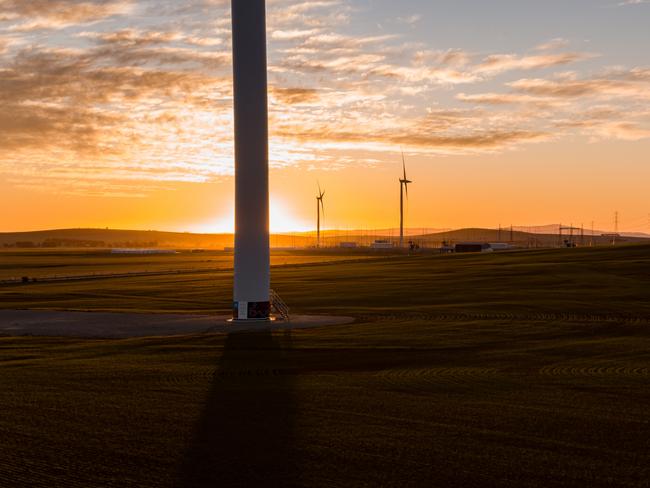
[124,325]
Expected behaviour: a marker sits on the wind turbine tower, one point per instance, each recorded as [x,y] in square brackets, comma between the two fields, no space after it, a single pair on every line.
[319,207]
[252,247]
[403,188]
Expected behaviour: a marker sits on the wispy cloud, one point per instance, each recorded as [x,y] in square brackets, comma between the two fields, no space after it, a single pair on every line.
[552,45]
[293,96]
[612,105]
[619,83]
[499,63]
[57,14]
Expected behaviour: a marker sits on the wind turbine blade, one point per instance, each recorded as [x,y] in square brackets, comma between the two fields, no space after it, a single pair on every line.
[406,187]
[404,164]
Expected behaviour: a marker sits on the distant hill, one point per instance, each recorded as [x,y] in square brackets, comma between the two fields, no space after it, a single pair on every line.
[553,229]
[105,238]
[517,238]
[413,231]
[525,239]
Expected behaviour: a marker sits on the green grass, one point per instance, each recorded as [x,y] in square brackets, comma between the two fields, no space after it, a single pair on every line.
[526,369]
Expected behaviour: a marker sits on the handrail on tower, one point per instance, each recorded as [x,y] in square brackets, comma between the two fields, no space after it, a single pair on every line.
[279,306]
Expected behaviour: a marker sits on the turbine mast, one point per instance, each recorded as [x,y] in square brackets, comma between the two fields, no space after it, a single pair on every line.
[403,187]
[252,243]
[319,206]
[401,213]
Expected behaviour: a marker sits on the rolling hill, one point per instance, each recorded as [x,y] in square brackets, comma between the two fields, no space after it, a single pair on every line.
[104,238]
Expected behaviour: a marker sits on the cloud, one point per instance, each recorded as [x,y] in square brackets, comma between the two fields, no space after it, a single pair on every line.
[57,14]
[292,96]
[632,83]
[133,37]
[626,131]
[552,45]
[501,99]
[318,52]
[633,2]
[418,138]
[606,127]
[499,63]
[612,105]
[106,107]
[74,117]
[294,34]
[450,57]
[410,19]
[131,47]
[310,13]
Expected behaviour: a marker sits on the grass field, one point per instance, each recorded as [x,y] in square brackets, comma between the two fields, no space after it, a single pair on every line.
[525,369]
[44,263]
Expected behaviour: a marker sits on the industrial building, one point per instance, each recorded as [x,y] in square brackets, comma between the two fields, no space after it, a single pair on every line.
[382,244]
[464,247]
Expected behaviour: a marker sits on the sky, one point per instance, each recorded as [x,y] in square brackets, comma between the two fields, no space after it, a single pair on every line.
[118,113]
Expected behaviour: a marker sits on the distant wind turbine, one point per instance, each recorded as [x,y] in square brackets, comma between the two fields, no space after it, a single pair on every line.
[319,207]
[403,188]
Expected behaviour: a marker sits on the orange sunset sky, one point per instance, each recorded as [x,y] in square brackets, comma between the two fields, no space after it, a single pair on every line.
[118,113]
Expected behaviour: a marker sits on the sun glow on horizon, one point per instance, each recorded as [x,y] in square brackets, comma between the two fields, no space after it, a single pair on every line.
[283,220]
